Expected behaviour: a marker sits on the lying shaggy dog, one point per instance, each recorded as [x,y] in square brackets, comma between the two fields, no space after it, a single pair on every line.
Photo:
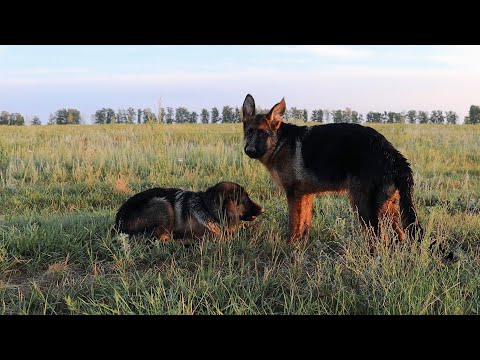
[161,212]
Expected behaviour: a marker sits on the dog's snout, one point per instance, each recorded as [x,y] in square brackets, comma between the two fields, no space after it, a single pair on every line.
[250,151]
[257,209]
[253,211]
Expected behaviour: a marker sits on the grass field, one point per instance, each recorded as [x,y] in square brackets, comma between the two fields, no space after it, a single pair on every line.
[60,187]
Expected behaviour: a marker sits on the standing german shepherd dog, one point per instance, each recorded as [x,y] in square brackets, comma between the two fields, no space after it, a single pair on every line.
[332,158]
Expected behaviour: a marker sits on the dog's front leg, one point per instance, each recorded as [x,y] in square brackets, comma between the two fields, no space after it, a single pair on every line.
[300,215]
[214,228]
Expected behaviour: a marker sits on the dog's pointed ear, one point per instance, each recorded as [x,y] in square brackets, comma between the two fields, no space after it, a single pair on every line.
[275,116]
[218,194]
[248,107]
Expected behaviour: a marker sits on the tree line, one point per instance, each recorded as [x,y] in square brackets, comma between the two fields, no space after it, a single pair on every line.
[228,114]
[7,118]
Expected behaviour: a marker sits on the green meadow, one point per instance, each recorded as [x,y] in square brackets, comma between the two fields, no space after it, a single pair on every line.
[60,187]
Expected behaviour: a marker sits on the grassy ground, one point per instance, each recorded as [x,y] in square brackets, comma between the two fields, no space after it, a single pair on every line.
[60,187]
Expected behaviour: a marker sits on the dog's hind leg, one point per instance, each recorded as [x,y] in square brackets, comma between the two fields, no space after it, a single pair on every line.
[364,203]
[164,221]
[155,219]
[161,234]
[390,214]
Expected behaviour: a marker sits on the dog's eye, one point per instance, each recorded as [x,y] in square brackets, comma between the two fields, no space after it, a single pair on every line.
[263,134]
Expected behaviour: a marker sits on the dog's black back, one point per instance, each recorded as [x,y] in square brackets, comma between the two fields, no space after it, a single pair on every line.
[334,152]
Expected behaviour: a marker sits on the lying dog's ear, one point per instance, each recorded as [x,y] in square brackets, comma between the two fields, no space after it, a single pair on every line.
[248,107]
[220,198]
[275,116]
[229,207]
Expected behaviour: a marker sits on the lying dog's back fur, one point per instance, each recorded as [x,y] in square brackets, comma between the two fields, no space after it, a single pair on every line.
[163,211]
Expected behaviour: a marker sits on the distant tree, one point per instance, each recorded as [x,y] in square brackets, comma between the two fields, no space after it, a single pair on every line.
[422,117]
[370,117]
[296,114]
[16,119]
[384,117]
[347,115]
[148,116]
[100,117]
[139,116]
[317,115]
[12,118]
[73,116]
[227,114]
[451,117]
[182,115]
[169,116]
[215,115]
[205,116]
[4,117]
[65,117]
[305,115]
[130,115]
[193,117]
[70,120]
[236,115]
[36,121]
[121,116]
[110,117]
[473,115]
[61,117]
[337,116]
[360,118]
[436,117]
[299,115]
[411,116]
[396,117]
[390,118]
[355,118]
[374,117]
[378,116]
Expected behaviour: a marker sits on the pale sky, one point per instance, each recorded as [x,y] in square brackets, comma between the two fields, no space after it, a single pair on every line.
[40,79]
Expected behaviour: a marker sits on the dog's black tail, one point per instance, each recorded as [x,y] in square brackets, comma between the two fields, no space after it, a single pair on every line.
[405,184]
[410,222]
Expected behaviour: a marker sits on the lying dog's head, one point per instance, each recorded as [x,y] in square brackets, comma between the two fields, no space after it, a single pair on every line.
[260,130]
[233,203]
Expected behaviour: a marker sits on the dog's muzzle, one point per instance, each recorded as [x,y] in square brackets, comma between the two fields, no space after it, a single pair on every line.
[249,217]
[251,152]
